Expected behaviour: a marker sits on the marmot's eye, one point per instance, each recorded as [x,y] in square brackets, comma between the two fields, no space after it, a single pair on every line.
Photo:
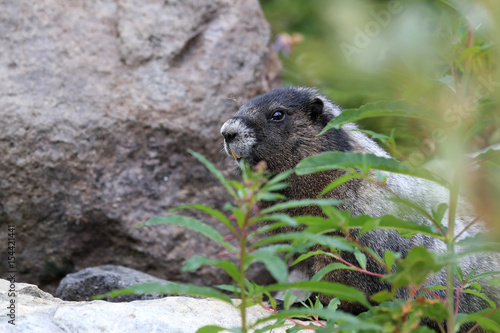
[278,116]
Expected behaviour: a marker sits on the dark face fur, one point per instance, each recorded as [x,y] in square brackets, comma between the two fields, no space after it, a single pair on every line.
[281,128]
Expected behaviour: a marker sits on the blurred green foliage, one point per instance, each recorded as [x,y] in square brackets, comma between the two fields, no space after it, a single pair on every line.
[440,56]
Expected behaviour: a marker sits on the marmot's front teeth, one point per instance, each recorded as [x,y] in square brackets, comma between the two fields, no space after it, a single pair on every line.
[236,156]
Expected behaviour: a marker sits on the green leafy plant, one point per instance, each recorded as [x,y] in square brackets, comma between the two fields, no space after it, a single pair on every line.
[247,226]
[412,271]
[446,92]
[248,242]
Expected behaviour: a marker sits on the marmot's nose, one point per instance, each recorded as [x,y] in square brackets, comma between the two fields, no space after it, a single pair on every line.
[229,135]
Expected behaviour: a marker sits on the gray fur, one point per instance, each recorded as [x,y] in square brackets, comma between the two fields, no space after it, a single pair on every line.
[251,134]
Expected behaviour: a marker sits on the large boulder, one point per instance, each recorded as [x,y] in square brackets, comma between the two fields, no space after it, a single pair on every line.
[37,311]
[99,103]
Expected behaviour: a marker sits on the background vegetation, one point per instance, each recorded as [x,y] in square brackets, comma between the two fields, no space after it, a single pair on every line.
[423,51]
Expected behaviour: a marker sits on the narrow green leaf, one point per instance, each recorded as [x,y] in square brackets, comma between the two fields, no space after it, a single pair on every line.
[389,140]
[418,209]
[288,300]
[301,203]
[268,196]
[431,288]
[338,290]
[475,285]
[196,262]
[334,304]
[278,218]
[479,248]
[213,169]
[279,178]
[275,265]
[276,187]
[333,160]
[168,288]
[449,3]
[328,268]
[235,330]
[309,254]
[270,328]
[266,229]
[459,273]
[383,296]
[480,295]
[471,274]
[322,272]
[228,287]
[331,316]
[371,252]
[208,210]
[472,51]
[317,304]
[278,248]
[438,214]
[236,184]
[379,109]
[320,225]
[391,222]
[370,225]
[211,329]
[337,182]
[238,214]
[271,299]
[390,258]
[192,224]
[494,282]
[489,324]
[415,268]
[333,242]
[360,257]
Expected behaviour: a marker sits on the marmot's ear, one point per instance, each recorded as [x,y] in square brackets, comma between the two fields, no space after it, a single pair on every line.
[316,108]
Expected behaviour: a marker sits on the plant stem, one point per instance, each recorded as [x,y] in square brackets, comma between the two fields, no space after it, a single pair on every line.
[296,322]
[467,227]
[380,263]
[486,316]
[432,294]
[359,269]
[454,189]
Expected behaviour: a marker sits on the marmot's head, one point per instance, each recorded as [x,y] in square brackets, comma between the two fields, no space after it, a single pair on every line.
[282,127]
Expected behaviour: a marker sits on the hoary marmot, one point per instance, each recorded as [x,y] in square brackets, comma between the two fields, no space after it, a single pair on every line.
[282,127]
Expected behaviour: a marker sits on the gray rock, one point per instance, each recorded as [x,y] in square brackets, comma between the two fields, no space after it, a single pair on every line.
[170,314]
[93,281]
[99,102]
